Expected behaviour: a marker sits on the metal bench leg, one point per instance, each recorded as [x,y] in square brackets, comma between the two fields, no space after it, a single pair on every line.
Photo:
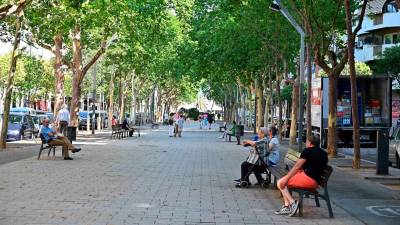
[301,204]
[54,153]
[317,201]
[328,203]
[40,152]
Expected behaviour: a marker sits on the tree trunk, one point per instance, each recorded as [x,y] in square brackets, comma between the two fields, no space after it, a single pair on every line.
[121,99]
[111,99]
[77,74]
[309,86]
[266,109]
[10,81]
[353,83]
[278,94]
[295,107]
[332,115]
[259,94]
[58,73]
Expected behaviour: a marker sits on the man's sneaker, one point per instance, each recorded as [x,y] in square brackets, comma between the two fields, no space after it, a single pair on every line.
[237,180]
[285,210]
[293,208]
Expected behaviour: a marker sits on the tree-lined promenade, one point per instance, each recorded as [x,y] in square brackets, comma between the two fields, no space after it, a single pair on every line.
[242,55]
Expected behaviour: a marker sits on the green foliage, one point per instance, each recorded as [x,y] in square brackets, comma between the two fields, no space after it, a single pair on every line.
[390,63]
[193,113]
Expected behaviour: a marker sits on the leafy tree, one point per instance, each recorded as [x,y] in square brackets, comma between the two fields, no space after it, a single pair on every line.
[389,63]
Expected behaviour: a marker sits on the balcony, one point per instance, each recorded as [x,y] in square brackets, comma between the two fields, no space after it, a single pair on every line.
[380,22]
[371,52]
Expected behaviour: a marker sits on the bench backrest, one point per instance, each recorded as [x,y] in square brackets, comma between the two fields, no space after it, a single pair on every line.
[290,159]
[326,174]
[42,138]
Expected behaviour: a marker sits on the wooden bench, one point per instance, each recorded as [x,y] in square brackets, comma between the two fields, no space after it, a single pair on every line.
[45,146]
[222,127]
[239,133]
[283,168]
[116,132]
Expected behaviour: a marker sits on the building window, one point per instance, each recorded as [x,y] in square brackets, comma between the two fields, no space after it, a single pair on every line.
[396,38]
[388,39]
[378,19]
[390,7]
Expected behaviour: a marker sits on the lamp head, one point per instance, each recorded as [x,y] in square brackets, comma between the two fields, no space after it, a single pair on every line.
[275,6]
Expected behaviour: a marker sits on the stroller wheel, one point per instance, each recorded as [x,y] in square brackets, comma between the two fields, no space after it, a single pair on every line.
[244,184]
[265,184]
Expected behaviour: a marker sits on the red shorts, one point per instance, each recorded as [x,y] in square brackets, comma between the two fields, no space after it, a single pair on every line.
[301,180]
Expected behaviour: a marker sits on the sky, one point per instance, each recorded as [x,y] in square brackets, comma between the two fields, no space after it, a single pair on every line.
[34,50]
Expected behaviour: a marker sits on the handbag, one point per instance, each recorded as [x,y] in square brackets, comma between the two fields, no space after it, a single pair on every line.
[253,157]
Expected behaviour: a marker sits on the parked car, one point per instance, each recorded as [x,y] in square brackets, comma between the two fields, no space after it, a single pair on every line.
[20,126]
[82,117]
[24,110]
[394,147]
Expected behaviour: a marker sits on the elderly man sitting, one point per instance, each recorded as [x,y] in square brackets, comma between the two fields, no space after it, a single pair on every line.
[51,137]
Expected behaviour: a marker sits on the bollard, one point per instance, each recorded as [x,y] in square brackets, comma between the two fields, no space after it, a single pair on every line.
[382,159]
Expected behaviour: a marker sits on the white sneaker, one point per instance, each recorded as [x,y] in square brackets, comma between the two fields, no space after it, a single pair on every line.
[285,210]
[293,208]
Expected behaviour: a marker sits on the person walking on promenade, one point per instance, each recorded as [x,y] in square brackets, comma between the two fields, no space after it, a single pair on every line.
[210,120]
[305,174]
[63,119]
[205,120]
[200,118]
[52,138]
[171,125]
[180,123]
[176,127]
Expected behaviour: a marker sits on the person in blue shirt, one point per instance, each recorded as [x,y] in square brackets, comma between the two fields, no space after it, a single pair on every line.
[52,138]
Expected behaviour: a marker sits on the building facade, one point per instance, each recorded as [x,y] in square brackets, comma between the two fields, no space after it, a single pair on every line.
[380,30]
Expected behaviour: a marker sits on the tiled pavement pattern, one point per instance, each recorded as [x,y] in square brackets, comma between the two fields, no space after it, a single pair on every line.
[153,179]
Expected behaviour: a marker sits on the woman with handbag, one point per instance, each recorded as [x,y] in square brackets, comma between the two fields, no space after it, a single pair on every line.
[252,163]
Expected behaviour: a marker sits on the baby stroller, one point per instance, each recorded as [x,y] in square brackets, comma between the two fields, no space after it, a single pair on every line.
[264,182]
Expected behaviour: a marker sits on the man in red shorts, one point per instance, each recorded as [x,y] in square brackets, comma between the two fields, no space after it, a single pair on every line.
[305,174]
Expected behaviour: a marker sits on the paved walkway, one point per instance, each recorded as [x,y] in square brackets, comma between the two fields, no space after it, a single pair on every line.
[153,179]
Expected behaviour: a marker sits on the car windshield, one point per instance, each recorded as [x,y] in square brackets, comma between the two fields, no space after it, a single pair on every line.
[15,119]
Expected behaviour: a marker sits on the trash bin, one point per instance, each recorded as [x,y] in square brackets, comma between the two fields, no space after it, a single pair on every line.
[239,132]
[382,159]
[71,133]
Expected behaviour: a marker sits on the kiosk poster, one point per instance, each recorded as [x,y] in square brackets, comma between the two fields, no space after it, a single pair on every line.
[316,96]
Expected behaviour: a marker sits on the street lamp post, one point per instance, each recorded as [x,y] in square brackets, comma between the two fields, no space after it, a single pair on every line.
[278,6]
[94,97]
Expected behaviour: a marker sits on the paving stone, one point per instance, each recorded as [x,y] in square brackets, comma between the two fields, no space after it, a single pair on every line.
[153,179]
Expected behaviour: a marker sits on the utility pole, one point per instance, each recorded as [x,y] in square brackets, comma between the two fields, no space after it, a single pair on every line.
[94,98]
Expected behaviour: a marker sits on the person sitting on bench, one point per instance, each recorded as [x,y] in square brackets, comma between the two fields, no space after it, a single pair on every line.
[231,131]
[52,138]
[305,174]
[252,164]
[125,126]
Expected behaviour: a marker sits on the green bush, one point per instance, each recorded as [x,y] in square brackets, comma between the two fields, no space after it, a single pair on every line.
[193,113]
